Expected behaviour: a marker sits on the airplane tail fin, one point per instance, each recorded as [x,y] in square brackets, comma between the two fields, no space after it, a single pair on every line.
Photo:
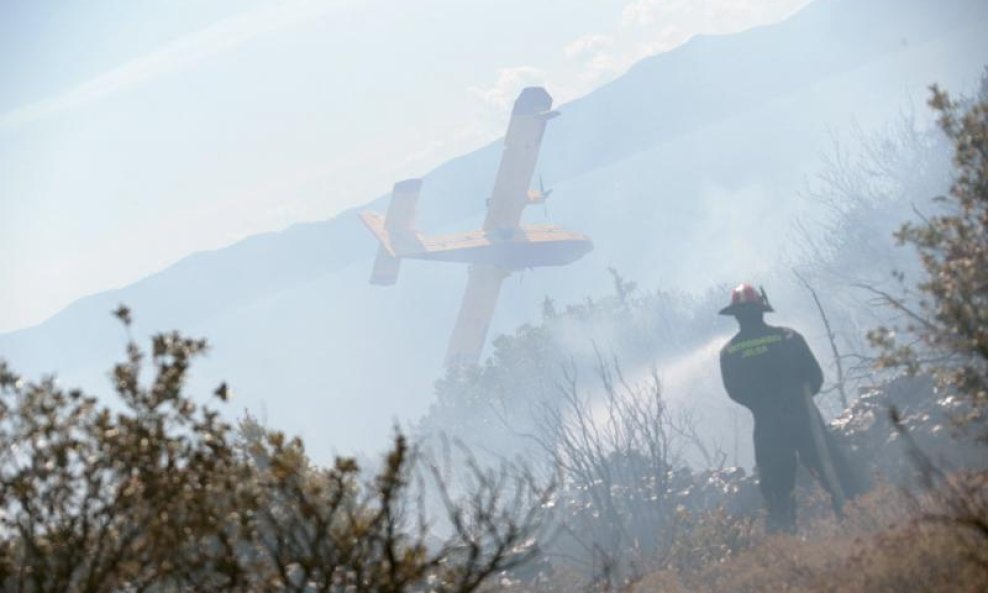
[396,231]
[401,212]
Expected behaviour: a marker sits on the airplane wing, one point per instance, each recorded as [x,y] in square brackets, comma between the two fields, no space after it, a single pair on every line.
[476,311]
[521,150]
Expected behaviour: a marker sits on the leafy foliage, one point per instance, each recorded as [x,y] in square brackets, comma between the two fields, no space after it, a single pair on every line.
[946,331]
[95,500]
[159,494]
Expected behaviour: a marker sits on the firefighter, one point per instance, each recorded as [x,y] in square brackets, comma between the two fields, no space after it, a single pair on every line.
[772,372]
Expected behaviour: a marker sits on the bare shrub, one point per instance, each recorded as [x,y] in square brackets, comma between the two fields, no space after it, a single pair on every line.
[619,458]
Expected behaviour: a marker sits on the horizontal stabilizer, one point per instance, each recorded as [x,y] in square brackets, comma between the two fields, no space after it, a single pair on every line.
[375,224]
[386,268]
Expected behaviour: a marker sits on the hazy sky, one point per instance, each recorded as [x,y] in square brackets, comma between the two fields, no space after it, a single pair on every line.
[134,132]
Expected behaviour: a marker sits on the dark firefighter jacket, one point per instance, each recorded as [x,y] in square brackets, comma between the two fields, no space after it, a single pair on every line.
[765,369]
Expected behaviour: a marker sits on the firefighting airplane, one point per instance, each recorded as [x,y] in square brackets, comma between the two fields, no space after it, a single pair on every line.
[501,247]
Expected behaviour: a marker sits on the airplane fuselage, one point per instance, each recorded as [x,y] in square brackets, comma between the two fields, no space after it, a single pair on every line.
[511,249]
